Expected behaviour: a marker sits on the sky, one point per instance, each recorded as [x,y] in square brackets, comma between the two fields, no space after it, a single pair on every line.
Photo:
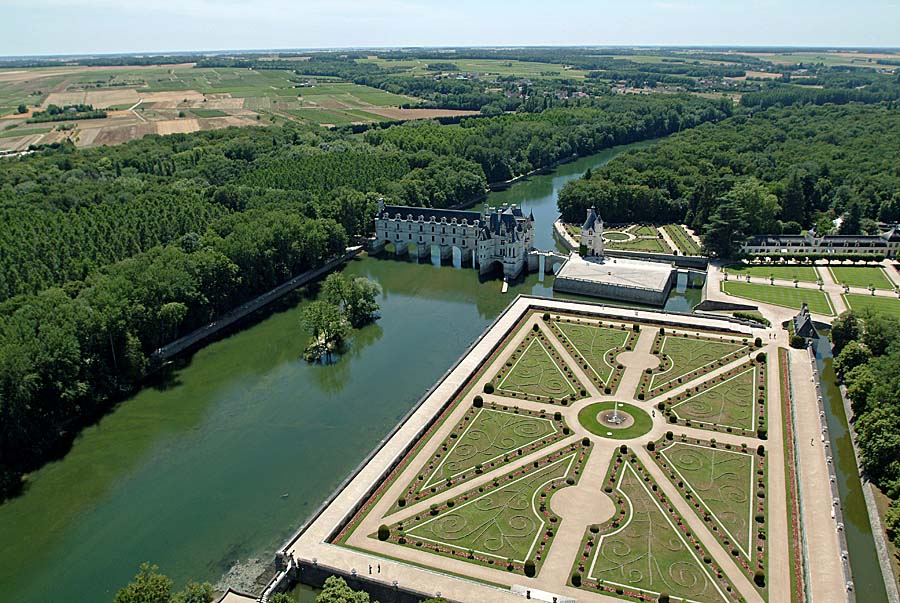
[37,27]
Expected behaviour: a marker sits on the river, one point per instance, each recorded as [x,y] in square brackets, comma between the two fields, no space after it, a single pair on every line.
[222,458]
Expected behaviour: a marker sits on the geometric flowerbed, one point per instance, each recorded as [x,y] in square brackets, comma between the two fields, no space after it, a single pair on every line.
[472,496]
[646,550]
[537,372]
[726,486]
[486,438]
[506,522]
[684,357]
[734,401]
[596,345]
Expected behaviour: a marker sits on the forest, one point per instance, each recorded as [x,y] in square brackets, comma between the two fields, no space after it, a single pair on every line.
[776,170]
[867,349]
[108,253]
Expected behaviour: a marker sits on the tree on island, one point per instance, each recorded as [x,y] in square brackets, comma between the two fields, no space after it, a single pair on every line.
[328,326]
[344,303]
[356,298]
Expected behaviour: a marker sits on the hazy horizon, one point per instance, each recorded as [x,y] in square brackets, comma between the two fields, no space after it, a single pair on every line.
[76,27]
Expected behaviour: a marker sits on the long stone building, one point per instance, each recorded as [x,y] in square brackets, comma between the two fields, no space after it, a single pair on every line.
[500,238]
[885,245]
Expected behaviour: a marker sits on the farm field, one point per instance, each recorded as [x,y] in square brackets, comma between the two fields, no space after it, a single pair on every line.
[483,66]
[191,99]
[787,297]
[861,276]
[806,274]
[888,305]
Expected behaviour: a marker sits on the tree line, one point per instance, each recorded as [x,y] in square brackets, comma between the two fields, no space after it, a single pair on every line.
[774,171]
[867,360]
[108,253]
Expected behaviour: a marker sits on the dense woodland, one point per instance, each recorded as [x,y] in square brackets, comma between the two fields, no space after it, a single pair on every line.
[108,253]
[867,348]
[778,170]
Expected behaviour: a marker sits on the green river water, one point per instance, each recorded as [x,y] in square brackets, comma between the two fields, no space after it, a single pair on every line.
[223,457]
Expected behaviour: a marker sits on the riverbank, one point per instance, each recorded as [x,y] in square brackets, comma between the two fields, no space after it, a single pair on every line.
[209,465]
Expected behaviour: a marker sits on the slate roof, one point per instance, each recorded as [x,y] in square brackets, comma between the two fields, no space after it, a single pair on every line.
[592,219]
[391,211]
[803,324]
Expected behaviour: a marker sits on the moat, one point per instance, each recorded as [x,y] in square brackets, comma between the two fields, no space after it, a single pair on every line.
[222,459]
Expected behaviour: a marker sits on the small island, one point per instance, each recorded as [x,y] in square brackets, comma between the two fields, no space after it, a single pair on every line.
[343,304]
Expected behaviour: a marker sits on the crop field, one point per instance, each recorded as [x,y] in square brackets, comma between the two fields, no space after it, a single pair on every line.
[888,305]
[207,98]
[788,297]
[788,272]
[645,551]
[483,66]
[861,276]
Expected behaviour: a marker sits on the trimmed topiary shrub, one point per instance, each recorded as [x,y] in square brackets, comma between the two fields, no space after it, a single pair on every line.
[529,568]
[384,532]
[759,578]
[489,388]
[546,316]
[576,579]
[651,446]
[758,342]
[478,402]
[663,598]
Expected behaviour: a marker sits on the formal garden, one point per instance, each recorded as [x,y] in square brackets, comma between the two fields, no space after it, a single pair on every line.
[733,402]
[787,297]
[596,345]
[726,486]
[505,523]
[536,371]
[476,489]
[861,276]
[683,357]
[646,552]
[486,438]
[877,303]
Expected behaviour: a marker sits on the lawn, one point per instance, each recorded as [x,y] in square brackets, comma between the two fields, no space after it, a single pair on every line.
[503,523]
[534,371]
[861,276]
[684,357]
[490,436]
[722,480]
[888,305]
[647,551]
[483,440]
[788,297]
[588,417]
[644,230]
[730,403]
[685,242]
[594,345]
[613,235]
[788,272]
[652,245]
